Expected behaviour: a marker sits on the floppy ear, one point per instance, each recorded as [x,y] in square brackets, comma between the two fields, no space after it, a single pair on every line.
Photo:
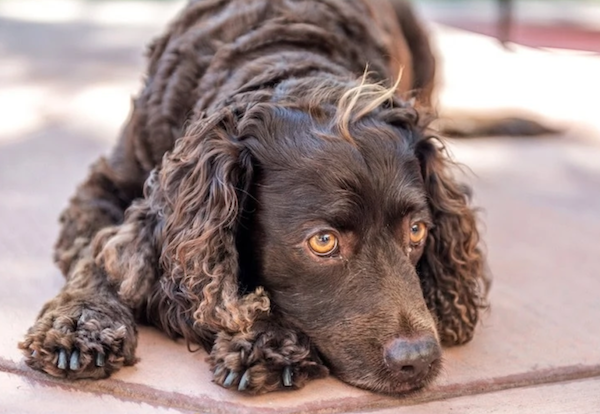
[452,266]
[201,183]
[193,202]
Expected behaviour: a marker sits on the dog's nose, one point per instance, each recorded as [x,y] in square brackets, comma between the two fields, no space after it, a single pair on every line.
[412,357]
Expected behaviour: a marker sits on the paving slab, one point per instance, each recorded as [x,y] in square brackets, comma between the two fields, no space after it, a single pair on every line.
[20,395]
[540,203]
[579,397]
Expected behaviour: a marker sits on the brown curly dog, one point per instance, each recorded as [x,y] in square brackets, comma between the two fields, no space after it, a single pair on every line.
[276,202]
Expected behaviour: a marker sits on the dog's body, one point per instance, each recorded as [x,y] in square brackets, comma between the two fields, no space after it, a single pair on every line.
[293,220]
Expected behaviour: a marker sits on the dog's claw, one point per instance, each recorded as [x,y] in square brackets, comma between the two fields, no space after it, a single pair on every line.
[230,378]
[218,371]
[100,360]
[74,361]
[244,381]
[34,354]
[287,376]
[62,359]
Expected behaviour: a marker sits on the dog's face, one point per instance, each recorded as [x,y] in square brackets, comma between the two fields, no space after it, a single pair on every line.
[336,230]
[360,236]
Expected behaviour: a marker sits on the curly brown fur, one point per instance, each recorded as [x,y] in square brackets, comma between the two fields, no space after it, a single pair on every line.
[452,267]
[254,132]
[86,323]
[262,355]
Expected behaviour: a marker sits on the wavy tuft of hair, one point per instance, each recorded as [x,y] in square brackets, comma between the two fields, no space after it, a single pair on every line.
[361,100]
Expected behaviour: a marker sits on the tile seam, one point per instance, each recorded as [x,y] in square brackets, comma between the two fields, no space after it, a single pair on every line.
[140,393]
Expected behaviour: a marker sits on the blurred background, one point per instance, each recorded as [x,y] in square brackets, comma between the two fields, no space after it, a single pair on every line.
[68,69]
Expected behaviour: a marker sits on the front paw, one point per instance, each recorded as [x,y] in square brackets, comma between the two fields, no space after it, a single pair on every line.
[79,339]
[264,361]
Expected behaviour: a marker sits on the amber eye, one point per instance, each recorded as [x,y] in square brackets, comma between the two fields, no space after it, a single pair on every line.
[323,244]
[417,233]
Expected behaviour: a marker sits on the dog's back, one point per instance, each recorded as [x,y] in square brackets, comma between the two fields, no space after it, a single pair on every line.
[217,52]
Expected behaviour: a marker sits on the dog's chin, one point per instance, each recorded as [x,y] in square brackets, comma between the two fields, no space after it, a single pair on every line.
[387,382]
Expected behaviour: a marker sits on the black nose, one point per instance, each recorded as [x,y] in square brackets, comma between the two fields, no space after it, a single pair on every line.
[412,357]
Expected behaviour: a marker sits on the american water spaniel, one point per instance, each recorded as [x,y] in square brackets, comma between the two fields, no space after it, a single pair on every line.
[277,197]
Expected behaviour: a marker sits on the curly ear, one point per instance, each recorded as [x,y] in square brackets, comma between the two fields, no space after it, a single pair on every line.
[200,186]
[452,266]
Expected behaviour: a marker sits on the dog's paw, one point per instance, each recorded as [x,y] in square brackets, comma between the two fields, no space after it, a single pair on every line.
[264,361]
[81,340]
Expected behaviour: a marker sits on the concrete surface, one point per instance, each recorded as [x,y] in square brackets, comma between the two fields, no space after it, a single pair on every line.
[68,70]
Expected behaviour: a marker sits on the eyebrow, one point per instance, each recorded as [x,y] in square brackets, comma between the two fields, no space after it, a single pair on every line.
[344,211]
[407,198]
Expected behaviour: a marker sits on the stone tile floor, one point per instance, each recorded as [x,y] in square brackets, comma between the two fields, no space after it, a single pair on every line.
[68,69]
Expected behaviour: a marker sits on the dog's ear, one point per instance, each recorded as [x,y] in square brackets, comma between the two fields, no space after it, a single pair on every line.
[193,203]
[452,266]
[202,182]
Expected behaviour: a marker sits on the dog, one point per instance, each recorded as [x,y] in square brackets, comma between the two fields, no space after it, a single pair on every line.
[277,197]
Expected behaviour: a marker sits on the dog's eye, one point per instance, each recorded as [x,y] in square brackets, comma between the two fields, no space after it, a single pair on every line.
[418,231]
[323,244]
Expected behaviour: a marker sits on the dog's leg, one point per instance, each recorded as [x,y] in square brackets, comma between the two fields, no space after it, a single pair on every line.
[87,330]
[267,358]
[111,186]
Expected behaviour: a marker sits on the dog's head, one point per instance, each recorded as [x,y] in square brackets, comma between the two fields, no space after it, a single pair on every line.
[345,212]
